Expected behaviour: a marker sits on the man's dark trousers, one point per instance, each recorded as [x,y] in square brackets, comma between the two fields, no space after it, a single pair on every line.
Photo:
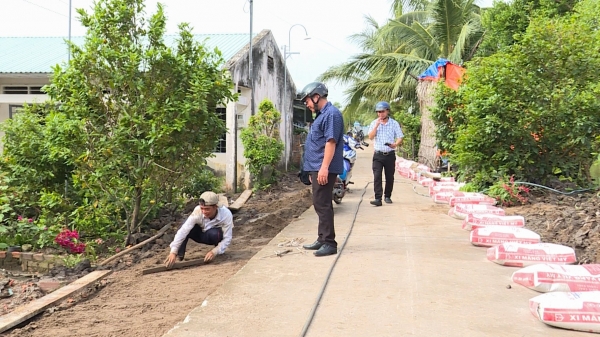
[322,199]
[211,237]
[387,163]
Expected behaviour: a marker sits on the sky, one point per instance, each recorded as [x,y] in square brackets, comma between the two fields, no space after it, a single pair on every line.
[328,23]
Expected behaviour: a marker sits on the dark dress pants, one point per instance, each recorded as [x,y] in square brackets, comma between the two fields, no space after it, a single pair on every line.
[383,163]
[322,202]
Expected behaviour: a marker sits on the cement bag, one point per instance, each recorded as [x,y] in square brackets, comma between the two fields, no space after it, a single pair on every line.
[445,187]
[460,211]
[403,168]
[574,311]
[473,221]
[425,181]
[553,277]
[472,198]
[522,254]
[444,197]
[489,236]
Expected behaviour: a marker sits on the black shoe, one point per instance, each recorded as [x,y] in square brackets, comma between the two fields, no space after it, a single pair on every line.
[313,246]
[376,202]
[326,250]
[180,257]
[388,200]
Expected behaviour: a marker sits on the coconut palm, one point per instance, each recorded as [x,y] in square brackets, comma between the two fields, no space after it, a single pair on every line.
[397,52]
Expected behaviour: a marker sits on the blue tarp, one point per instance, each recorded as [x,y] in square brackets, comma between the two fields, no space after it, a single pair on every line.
[433,71]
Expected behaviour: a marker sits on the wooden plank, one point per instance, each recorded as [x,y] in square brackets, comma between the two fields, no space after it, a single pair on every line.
[239,202]
[177,265]
[23,313]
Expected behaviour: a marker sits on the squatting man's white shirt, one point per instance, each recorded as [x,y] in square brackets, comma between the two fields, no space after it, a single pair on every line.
[223,219]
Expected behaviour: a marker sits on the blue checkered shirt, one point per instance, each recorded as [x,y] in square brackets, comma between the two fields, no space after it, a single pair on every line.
[329,125]
[386,133]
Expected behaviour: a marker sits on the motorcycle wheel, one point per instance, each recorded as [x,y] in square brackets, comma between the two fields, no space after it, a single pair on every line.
[337,199]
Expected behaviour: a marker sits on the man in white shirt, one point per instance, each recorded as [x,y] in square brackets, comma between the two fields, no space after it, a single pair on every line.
[209,223]
[388,135]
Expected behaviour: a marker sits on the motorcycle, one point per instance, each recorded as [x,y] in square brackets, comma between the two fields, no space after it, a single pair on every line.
[358,134]
[343,180]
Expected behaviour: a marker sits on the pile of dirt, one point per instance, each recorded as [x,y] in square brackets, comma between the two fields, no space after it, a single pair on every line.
[570,220]
[132,304]
[17,290]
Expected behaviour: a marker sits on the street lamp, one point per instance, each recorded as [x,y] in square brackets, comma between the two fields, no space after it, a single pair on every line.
[286,53]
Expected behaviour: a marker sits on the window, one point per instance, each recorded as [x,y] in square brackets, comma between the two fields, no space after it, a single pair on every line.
[15,90]
[14,109]
[270,64]
[37,90]
[222,145]
[22,90]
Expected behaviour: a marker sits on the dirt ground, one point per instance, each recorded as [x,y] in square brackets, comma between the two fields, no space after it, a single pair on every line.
[128,303]
[570,220]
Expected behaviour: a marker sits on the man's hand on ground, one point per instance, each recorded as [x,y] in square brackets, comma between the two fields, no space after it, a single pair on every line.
[170,261]
[209,256]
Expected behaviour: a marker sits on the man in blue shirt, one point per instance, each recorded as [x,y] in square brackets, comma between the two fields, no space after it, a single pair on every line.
[388,136]
[323,160]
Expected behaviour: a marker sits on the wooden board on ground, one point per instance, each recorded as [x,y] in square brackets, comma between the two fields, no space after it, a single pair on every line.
[23,313]
[239,202]
[177,265]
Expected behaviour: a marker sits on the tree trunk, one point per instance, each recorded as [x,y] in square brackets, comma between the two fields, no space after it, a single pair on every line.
[135,216]
[427,148]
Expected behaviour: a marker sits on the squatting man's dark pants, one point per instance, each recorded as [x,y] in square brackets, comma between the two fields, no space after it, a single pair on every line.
[211,237]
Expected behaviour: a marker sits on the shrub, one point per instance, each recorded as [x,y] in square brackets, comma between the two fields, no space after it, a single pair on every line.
[203,179]
[262,145]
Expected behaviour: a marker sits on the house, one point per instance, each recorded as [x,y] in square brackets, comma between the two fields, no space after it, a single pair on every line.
[26,65]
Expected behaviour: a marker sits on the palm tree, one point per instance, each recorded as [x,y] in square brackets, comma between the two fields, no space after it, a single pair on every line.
[397,52]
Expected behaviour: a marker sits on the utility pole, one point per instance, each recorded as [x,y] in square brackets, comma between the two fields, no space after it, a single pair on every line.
[251,71]
[69,47]
[286,53]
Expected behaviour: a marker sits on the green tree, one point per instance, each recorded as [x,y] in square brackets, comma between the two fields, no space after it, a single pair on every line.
[506,22]
[533,110]
[395,53]
[262,145]
[146,106]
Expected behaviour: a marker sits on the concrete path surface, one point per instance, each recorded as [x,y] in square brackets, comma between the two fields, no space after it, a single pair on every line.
[407,269]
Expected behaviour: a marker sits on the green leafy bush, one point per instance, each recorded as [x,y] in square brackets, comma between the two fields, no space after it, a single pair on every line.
[531,111]
[262,145]
[411,128]
[203,179]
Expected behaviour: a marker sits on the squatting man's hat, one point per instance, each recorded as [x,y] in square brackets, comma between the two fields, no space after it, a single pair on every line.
[209,198]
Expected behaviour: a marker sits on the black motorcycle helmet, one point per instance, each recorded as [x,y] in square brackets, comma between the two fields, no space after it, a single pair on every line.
[312,89]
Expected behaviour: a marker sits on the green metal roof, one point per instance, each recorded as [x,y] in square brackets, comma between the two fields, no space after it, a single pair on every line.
[40,54]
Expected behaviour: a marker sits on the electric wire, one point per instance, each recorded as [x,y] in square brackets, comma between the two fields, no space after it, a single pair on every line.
[313,310]
[48,9]
[552,189]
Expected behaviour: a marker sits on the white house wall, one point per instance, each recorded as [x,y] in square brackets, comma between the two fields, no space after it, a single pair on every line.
[19,80]
[268,83]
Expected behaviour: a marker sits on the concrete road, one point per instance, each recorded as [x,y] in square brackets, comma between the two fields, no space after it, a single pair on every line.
[407,269]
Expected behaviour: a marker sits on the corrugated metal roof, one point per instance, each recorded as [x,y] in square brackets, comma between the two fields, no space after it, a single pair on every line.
[40,54]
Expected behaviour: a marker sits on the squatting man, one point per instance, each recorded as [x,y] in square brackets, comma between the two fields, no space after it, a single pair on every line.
[209,224]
